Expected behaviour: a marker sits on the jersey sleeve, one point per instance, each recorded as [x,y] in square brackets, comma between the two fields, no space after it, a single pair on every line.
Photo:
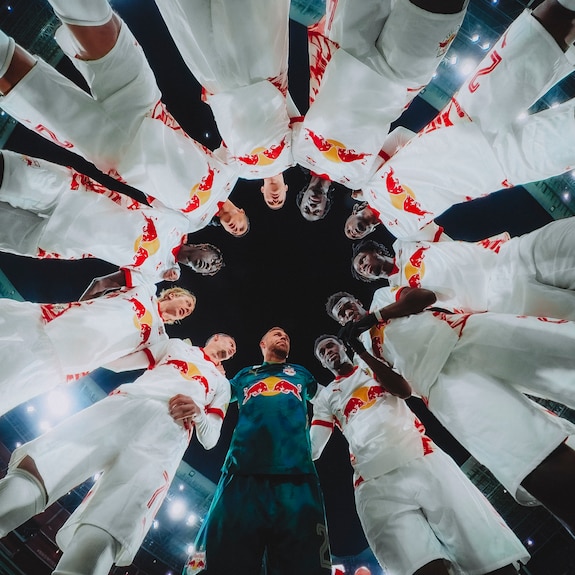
[209,425]
[321,425]
[146,358]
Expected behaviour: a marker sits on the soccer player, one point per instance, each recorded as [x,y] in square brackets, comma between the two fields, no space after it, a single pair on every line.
[137,436]
[404,483]
[268,500]
[479,144]
[122,126]
[49,211]
[533,274]
[44,345]
[238,52]
[470,369]
[369,68]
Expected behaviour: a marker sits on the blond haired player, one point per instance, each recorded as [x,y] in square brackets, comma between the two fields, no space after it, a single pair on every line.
[137,437]
[417,509]
[238,52]
[122,126]
[44,345]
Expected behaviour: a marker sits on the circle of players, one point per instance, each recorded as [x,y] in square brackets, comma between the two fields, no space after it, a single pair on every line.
[468,327]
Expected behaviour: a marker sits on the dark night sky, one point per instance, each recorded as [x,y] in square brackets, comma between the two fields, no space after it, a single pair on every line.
[279,274]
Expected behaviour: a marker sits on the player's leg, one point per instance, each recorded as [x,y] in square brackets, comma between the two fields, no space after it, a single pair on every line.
[91,552]
[551,482]
[525,62]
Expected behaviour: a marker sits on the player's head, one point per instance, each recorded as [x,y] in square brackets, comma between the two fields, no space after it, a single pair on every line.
[344,307]
[233,219]
[361,222]
[315,198]
[205,259]
[331,352]
[371,261]
[275,345]
[176,303]
[274,190]
[220,346]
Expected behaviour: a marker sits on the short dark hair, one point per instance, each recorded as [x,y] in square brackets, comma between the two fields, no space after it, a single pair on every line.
[329,195]
[325,336]
[333,299]
[220,257]
[366,246]
[220,334]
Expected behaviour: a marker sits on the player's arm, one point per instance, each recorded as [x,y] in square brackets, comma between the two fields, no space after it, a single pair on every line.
[146,358]
[102,285]
[321,426]
[385,376]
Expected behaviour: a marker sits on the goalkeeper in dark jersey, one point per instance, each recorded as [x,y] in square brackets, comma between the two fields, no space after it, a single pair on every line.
[268,501]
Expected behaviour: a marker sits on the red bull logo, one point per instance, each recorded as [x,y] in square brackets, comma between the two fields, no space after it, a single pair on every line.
[142,319]
[443,46]
[51,311]
[402,197]
[160,112]
[189,371]
[196,563]
[147,244]
[376,334]
[362,398]
[201,192]
[263,156]
[271,386]
[82,181]
[414,269]
[335,151]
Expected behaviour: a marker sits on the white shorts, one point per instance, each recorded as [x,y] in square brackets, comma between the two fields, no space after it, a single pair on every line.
[29,362]
[138,447]
[428,510]
[519,69]
[123,90]
[497,424]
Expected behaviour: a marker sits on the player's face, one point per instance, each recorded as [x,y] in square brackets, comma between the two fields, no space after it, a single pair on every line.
[202,258]
[276,341]
[274,191]
[371,265]
[226,348]
[357,226]
[314,201]
[176,307]
[331,353]
[235,223]
[348,309]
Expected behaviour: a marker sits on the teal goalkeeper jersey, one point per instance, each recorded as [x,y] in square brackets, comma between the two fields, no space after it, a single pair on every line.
[272,433]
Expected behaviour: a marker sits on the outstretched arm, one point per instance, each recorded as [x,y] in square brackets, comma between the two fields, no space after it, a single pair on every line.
[99,286]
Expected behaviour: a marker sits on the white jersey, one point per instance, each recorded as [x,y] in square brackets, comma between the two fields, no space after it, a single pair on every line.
[137,140]
[131,436]
[238,52]
[458,272]
[367,82]
[418,354]
[476,145]
[91,333]
[79,217]
[382,432]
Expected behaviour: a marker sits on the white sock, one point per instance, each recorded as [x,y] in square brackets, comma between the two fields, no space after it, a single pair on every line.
[7,46]
[83,12]
[21,497]
[569,4]
[90,552]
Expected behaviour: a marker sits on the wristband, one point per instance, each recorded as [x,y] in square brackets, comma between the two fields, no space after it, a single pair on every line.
[377,315]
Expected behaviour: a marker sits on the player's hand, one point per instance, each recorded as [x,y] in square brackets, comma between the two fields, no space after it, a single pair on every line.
[184,409]
[356,345]
[171,275]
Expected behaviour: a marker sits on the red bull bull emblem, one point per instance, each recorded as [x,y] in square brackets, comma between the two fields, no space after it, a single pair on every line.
[335,151]
[142,319]
[189,371]
[147,244]
[443,46]
[414,269]
[271,386]
[402,197]
[201,192]
[263,156]
[196,563]
[362,398]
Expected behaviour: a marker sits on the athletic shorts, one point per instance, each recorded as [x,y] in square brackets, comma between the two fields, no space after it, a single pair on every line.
[428,510]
